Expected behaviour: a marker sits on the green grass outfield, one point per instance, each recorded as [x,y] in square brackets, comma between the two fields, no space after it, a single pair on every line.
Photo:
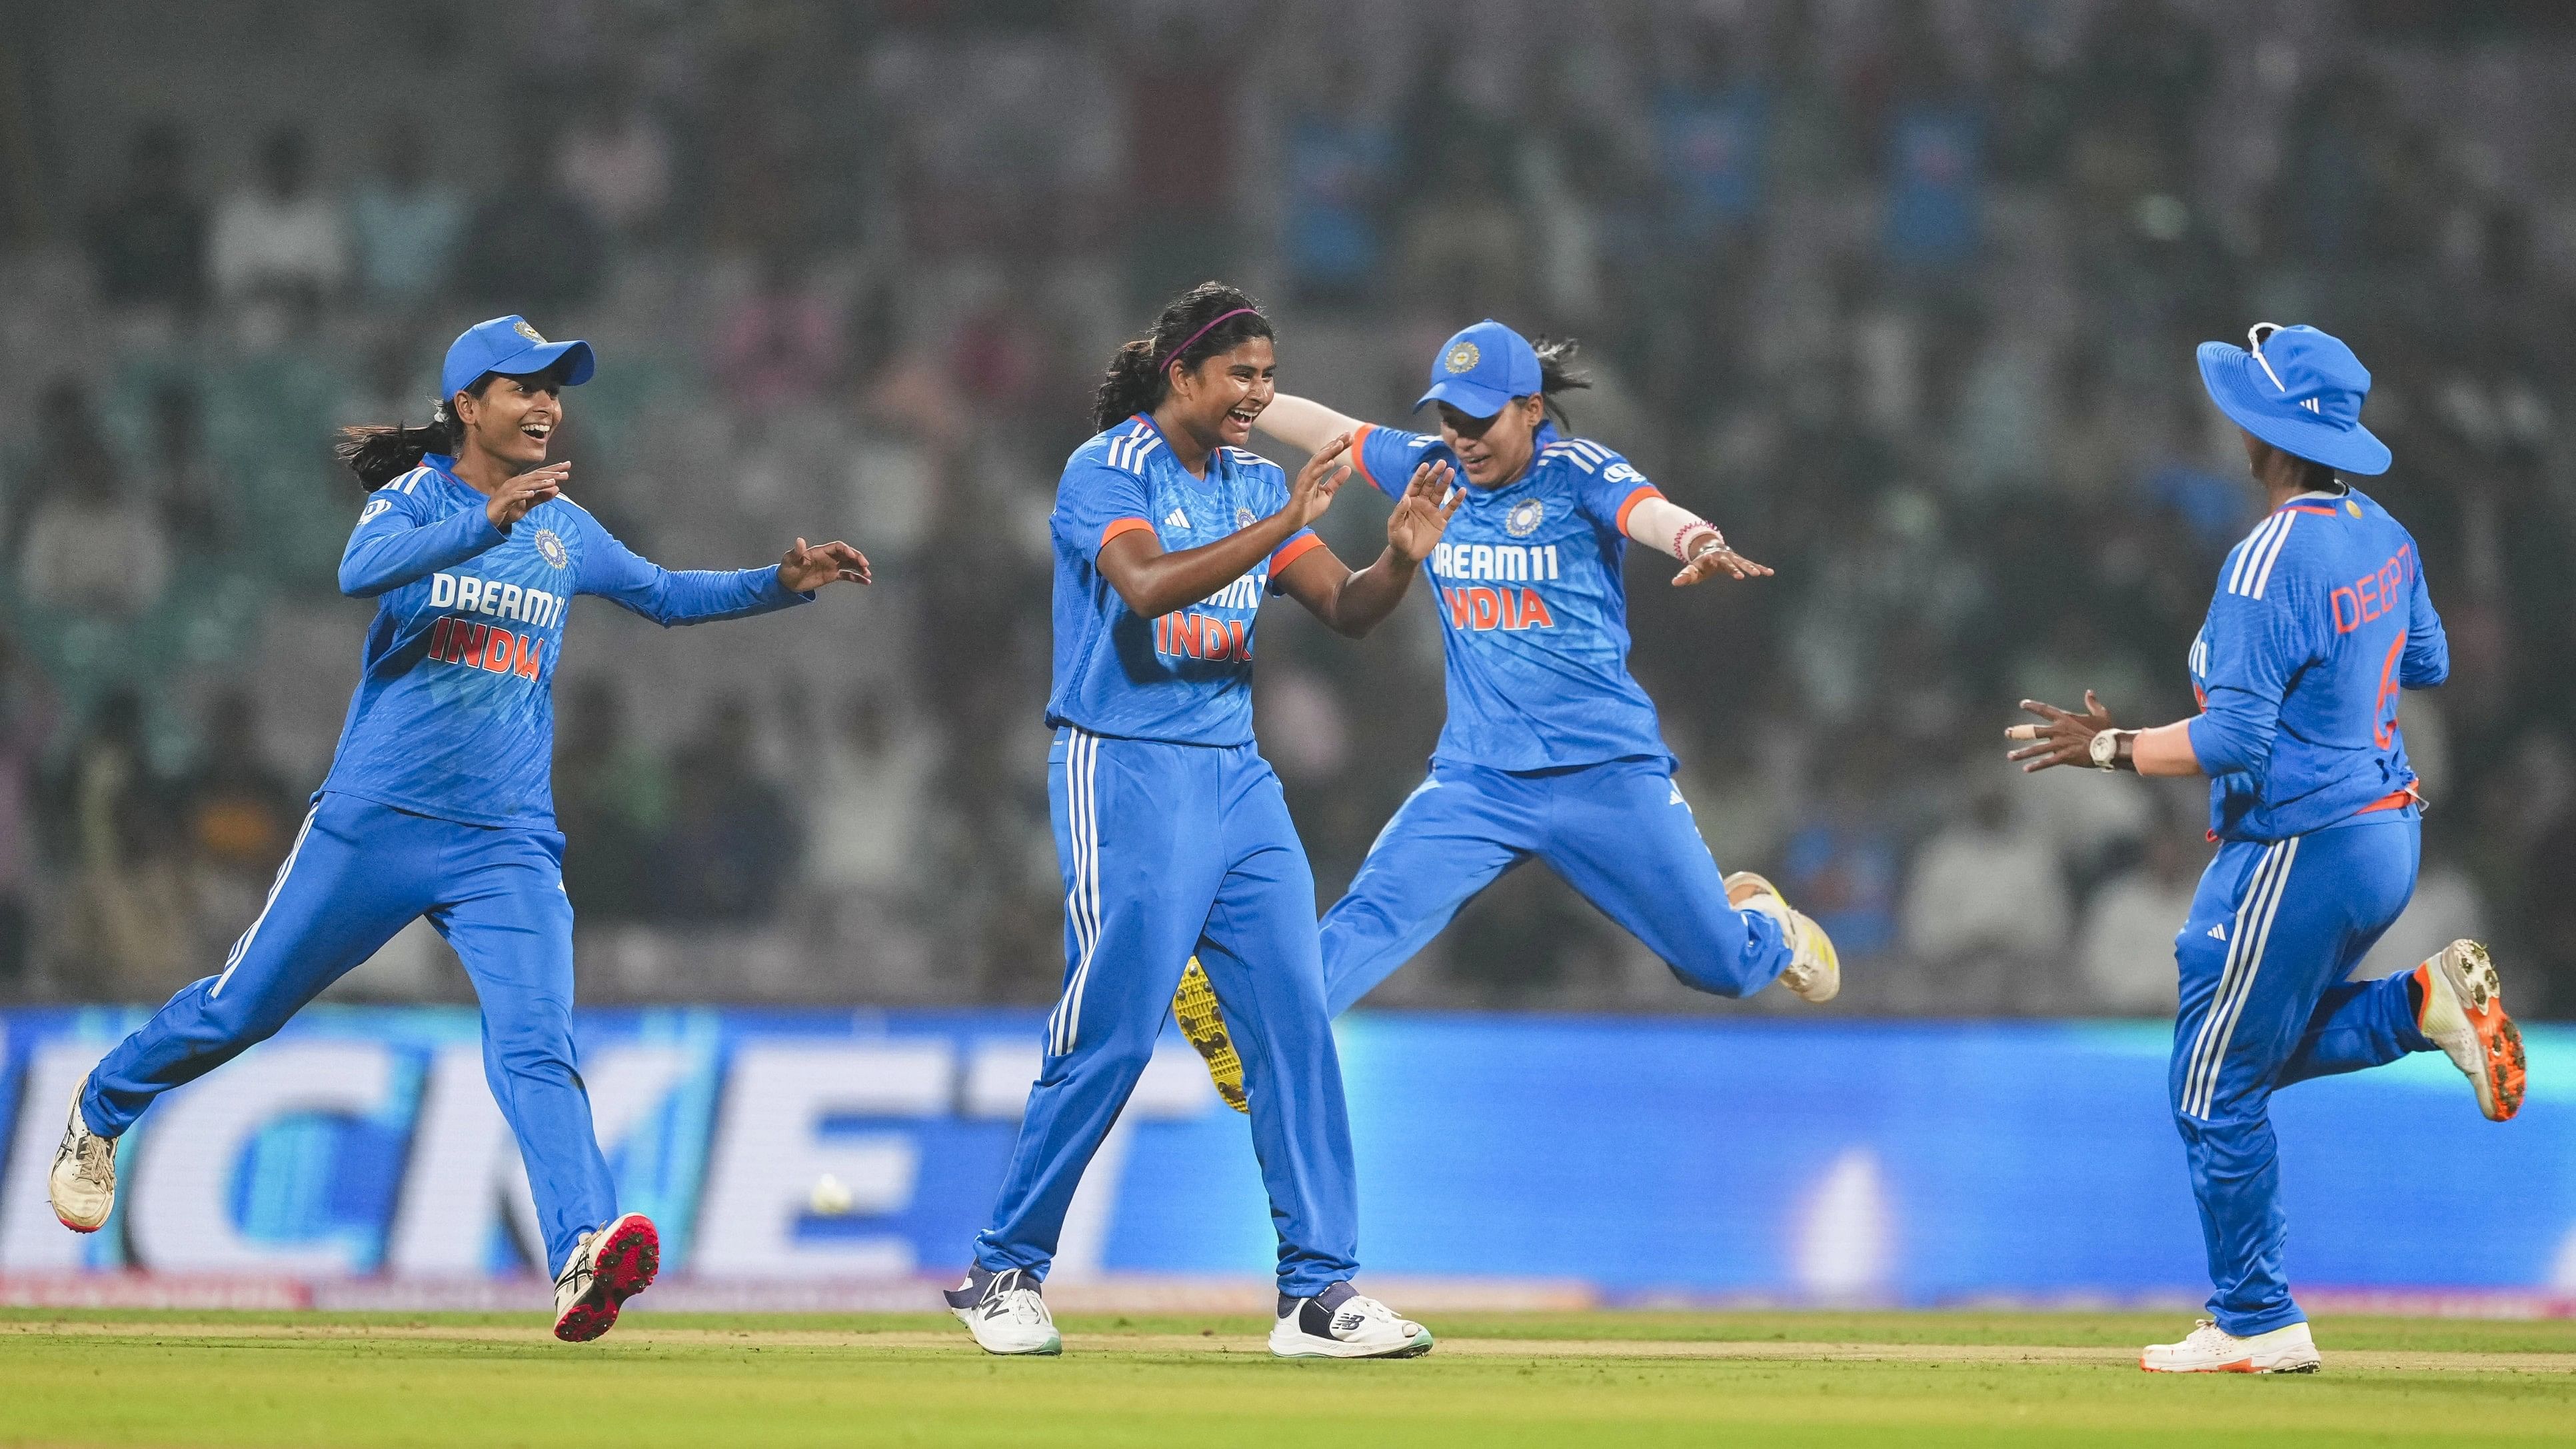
[310,1379]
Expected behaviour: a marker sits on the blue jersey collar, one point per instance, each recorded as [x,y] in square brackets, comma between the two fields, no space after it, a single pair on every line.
[1218,452]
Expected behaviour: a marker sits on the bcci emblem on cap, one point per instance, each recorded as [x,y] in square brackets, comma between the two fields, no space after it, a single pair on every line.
[550,547]
[1462,358]
[1524,518]
[523,329]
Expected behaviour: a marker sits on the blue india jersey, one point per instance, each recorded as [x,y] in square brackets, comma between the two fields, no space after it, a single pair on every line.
[2321,618]
[1185,678]
[1533,612]
[454,711]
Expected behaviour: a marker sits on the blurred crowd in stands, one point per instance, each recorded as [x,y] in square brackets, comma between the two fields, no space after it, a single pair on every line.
[1902,294]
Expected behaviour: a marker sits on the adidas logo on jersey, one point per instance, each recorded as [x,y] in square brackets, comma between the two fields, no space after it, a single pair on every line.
[1176,519]
[2218,932]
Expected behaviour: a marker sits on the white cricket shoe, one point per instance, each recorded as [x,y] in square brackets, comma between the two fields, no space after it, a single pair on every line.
[2211,1349]
[83,1182]
[2463,1013]
[1005,1312]
[1343,1323]
[607,1267]
[1815,969]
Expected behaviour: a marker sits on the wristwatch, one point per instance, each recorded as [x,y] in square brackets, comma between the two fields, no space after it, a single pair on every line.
[2105,748]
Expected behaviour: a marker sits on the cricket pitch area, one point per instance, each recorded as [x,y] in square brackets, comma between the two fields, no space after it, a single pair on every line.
[199,1377]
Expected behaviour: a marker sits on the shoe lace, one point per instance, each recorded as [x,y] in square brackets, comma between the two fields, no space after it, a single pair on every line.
[1369,1309]
[578,1271]
[93,1157]
[2207,1331]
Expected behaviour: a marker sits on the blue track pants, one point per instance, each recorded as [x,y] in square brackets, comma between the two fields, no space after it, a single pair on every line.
[2273,931]
[359,872]
[1169,850]
[1619,833]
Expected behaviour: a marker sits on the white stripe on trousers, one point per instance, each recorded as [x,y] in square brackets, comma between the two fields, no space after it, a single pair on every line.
[1082,900]
[241,947]
[2254,917]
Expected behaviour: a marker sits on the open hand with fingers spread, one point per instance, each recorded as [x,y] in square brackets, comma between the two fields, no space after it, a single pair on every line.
[805,569]
[2062,738]
[511,501]
[1414,529]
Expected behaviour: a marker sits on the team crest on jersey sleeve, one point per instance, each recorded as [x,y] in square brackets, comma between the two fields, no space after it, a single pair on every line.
[1525,518]
[550,547]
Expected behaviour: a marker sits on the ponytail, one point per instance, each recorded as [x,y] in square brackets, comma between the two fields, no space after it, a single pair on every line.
[379,453]
[1208,319]
[1557,373]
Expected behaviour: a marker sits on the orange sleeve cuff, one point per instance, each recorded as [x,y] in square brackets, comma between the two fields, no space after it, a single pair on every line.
[1359,456]
[1291,551]
[1118,526]
[1630,506]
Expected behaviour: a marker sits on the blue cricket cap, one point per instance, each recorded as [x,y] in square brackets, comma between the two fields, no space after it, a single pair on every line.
[509,345]
[2299,390]
[1482,368]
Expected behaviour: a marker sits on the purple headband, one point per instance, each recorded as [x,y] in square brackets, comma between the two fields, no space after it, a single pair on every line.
[1174,355]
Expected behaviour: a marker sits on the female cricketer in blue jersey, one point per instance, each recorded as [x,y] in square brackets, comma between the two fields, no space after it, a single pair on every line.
[2320,621]
[1171,829]
[1551,749]
[440,803]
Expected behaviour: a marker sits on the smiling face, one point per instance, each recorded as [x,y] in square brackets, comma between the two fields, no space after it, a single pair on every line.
[513,420]
[1494,450]
[1217,401]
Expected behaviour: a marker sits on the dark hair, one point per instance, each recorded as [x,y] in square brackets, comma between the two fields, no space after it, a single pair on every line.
[379,453]
[1557,373]
[1140,373]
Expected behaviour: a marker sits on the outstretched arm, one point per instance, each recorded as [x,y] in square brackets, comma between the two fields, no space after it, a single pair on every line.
[671,597]
[1154,583]
[1303,423]
[1353,602]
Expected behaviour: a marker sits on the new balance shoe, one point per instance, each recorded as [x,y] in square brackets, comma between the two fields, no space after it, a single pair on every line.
[1341,1322]
[2210,1349]
[1005,1312]
[2463,1012]
[1815,970]
[83,1182]
[607,1267]
[1203,1024]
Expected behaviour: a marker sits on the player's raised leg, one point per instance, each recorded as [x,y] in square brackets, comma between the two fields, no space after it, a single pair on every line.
[1138,843]
[1261,955]
[1459,829]
[506,914]
[356,874]
[1623,836]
